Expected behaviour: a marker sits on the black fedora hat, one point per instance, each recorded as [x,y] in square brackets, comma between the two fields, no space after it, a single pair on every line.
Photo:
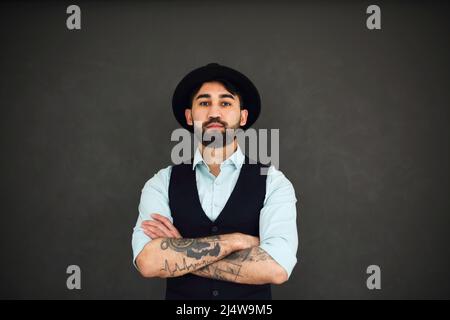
[181,99]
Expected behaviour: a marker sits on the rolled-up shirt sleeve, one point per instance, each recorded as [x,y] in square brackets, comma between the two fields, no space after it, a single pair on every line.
[154,199]
[278,220]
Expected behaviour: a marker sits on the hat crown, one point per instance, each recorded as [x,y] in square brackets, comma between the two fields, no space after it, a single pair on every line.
[213,64]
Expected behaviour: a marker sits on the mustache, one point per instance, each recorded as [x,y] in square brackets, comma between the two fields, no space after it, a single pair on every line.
[215,120]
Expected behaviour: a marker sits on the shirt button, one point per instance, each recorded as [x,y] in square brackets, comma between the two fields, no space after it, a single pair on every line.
[214,229]
[215,293]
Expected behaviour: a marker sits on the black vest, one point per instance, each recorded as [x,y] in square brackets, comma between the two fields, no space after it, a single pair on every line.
[240,214]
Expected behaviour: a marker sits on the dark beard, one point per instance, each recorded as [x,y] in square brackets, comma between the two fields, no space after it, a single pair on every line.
[218,139]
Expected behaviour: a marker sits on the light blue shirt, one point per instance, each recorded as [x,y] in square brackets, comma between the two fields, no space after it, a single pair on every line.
[277,225]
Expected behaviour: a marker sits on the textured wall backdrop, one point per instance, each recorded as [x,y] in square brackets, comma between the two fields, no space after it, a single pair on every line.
[363,118]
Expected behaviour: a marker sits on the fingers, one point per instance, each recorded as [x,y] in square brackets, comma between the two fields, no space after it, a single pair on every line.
[166,222]
[152,232]
[158,228]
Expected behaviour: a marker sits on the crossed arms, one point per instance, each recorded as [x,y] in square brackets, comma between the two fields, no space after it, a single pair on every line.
[234,257]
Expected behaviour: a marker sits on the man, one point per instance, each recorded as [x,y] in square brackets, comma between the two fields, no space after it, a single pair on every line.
[217,228]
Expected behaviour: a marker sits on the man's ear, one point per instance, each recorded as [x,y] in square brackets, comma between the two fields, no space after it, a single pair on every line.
[244,116]
[188,115]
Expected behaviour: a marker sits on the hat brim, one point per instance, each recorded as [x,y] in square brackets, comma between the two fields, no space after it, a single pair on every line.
[182,95]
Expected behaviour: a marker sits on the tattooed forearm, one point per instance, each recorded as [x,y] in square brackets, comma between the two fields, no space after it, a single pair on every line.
[252,266]
[178,256]
[221,270]
[173,257]
[183,267]
[252,255]
[194,248]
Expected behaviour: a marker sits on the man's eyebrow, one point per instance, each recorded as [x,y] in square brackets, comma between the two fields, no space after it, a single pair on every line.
[226,95]
[205,95]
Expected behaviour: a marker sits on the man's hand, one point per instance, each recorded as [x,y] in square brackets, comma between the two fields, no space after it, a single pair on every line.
[160,227]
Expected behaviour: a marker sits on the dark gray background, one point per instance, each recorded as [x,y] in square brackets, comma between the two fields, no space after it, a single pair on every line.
[363,117]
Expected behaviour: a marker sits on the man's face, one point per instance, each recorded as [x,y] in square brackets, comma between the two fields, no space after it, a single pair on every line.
[215,109]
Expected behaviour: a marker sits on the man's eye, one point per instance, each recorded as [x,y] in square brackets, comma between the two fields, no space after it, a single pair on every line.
[203,103]
[226,104]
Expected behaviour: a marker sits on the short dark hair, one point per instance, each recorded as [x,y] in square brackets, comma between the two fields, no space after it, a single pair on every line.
[226,83]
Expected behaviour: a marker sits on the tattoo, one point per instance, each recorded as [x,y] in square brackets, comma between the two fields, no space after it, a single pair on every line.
[241,255]
[229,268]
[184,266]
[194,248]
[251,254]
[227,271]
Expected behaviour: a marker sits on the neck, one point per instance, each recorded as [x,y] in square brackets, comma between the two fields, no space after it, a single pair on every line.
[215,156]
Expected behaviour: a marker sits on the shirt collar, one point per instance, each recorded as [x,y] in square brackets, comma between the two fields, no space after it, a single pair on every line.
[237,158]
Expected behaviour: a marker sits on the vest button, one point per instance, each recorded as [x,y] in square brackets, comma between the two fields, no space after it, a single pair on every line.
[215,293]
[214,229]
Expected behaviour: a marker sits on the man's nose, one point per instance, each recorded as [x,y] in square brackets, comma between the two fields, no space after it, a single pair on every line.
[214,111]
